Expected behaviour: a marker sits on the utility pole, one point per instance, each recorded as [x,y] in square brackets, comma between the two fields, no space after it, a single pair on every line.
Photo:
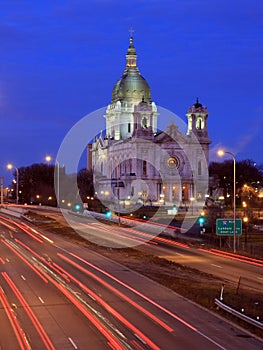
[2,189]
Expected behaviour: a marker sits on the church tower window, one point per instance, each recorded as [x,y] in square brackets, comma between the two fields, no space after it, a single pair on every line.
[199,124]
[144,122]
[144,168]
[199,170]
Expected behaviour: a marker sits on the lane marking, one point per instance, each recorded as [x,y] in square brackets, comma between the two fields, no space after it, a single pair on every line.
[23,278]
[72,343]
[220,267]
[138,337]
[91,297]
[42,301]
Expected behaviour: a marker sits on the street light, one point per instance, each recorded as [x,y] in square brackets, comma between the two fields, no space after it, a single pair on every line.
[192,199]
[48,159]
[221,153]
[2,189]
[10,166]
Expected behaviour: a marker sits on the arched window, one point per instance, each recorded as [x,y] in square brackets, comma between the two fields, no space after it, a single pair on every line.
[144,167]
[190,124]
[199,170]
[145,122]
[199,124]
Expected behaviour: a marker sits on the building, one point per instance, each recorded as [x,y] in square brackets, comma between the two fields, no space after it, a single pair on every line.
[134,163]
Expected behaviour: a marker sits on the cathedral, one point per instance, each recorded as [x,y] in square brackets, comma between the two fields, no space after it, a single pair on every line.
[134,163]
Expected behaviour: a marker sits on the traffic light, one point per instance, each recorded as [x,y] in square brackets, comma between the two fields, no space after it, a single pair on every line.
[78,208]
[201,220]
[108,213]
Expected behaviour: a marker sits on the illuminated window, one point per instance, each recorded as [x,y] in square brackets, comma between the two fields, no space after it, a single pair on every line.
[199,124]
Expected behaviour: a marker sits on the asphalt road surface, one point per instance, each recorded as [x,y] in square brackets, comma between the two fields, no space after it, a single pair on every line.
[229,267]
[59,295]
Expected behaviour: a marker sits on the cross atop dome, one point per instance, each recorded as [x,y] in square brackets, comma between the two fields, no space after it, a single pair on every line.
[131,31]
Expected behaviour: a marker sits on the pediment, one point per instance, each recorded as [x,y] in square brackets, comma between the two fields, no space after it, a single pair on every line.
[173,137]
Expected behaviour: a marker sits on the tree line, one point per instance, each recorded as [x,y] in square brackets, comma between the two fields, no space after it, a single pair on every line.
[36,182]
[249,180]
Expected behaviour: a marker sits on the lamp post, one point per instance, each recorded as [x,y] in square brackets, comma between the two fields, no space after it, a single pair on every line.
[58,194]
[192,202]
[48,159]
[2,189]
[221,153]
[10,166]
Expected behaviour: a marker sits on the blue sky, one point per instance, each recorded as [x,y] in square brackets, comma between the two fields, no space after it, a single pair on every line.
[60,60]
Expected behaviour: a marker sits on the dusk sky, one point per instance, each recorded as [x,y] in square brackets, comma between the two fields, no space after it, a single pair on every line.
[60,60]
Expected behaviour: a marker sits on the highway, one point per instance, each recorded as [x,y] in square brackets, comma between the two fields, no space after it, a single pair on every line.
[57,294]
[227,266]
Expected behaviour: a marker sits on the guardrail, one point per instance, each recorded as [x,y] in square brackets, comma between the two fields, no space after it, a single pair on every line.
[12,212]
[238,314]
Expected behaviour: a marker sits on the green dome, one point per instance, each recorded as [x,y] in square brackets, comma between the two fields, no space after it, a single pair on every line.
[131,87]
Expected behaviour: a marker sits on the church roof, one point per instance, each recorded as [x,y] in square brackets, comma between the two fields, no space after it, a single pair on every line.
[131,86]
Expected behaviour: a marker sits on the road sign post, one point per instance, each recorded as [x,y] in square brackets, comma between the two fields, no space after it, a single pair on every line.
[225,227]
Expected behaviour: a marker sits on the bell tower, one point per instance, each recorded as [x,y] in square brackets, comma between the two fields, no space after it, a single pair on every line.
[197,121]
[197,125]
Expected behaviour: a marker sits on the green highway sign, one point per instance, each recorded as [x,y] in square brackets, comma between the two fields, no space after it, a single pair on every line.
[225,227]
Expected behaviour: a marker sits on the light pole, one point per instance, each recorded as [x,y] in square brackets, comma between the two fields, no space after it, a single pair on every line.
[2,189]
[192,202]
[10,166]
[48,159]
[221,153]
[58,194]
